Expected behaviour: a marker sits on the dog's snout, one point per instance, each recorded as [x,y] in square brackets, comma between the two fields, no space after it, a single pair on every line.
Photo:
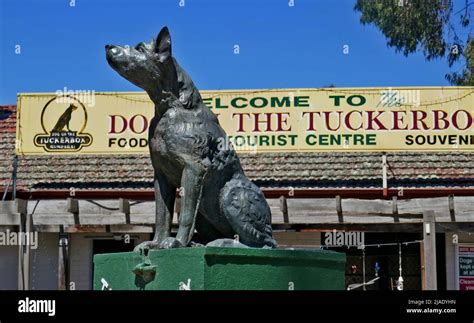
[111,49]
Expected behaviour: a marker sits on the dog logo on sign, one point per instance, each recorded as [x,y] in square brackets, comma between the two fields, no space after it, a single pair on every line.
[63,125]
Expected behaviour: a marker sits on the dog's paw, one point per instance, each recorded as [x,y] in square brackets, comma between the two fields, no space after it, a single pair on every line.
[195,244]
[146,246]
[170,242]
[226,243]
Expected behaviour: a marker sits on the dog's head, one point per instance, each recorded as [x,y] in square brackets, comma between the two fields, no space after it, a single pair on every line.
[147,65]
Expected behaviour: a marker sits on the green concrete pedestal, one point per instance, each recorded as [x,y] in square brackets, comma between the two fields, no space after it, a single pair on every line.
[215,268]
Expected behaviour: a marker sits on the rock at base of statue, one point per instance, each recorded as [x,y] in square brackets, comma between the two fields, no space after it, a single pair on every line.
[221,268]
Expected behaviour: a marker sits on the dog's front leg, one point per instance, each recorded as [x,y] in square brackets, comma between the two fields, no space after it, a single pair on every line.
[191,183]
[165,195]
[164,207]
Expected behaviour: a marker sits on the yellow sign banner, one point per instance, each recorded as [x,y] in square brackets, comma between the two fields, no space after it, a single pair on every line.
[283,120]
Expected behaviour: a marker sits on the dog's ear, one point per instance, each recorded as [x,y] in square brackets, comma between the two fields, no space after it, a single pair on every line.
[163,44]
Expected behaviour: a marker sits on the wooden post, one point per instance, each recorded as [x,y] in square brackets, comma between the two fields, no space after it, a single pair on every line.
[124,207]
[384,175]
[21,256]
[73,207]
[284,209]
[340,215]
[452,213]
[63,261]
[396,218]
[429,250]
[23,249]
[28,231]
[422,265]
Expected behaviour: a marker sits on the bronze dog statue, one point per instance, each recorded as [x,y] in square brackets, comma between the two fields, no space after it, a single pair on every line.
[188,151]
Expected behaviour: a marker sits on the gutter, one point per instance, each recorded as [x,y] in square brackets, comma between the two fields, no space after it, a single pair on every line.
[270,193]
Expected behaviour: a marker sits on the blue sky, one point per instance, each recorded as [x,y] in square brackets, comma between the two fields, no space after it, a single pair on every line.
[280,46]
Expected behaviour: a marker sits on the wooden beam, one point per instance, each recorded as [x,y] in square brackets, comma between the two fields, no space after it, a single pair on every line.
[73,207]
[399,216]
[303,211]
[375,227]
[124,207]
[280,226]
[85,228]
[422,266]
[10,211]
[284,209]
[130,228]
[454,226]
[28,230]
[451,207]
[63,261]
[46,228]
[359,206]
[396,218]
[339,209]
[429,250]
[384,175]
[365,227]
[24,253]
[120,228]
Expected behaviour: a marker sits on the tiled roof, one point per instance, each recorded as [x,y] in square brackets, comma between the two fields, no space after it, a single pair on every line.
[269,170]
[7,142]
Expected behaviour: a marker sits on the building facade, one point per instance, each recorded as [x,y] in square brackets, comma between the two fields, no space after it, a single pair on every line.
[372,206]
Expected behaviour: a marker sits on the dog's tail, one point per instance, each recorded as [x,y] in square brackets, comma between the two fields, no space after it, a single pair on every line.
[246,209]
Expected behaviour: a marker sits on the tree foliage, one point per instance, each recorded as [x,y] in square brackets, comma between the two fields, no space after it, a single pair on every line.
[425,25]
